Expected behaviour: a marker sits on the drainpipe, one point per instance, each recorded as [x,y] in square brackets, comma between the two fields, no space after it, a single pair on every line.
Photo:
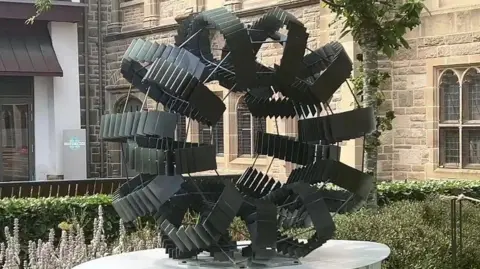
[86,51]
[100,75]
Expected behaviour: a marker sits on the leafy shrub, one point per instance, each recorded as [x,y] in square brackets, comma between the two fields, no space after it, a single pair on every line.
[394,191]
[418,233]
[36,216]
[419,190]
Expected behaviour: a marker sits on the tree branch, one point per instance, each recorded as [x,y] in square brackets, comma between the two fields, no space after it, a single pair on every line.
[328,2]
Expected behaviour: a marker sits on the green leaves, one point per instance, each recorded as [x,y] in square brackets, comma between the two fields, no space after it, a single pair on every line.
[48,213]
[41,6]
[418,233]
[420,190]
[385,21]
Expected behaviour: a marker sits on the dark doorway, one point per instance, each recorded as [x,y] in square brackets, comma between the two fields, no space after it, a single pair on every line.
[16,129]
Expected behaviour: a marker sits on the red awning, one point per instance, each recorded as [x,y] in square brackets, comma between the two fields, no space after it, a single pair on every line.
[26,50]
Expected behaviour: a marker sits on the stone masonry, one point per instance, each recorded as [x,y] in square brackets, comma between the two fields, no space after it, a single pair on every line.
[449,37]
[93,56]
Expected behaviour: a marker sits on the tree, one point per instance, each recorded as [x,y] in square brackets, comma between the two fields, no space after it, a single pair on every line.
[378,26]
[41,6]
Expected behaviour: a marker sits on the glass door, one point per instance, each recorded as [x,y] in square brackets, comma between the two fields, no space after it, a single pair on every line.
[16,140]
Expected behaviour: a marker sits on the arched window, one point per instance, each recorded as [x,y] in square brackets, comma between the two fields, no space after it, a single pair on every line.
[450,96]
[459,118]
[133,105]
[247,126]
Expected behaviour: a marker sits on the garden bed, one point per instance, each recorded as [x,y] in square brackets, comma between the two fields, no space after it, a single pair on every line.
[411,221]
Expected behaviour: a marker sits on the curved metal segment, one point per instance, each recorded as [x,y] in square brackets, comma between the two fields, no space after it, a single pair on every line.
[338,127]
[336,172]
[292,60]
[284,148]
[263,229]
[337,72]
[237,41]
[316,208]
[195,159]
[192,239]
[173,80]
[254,183]
[121,127]
[149,157]
[148,199]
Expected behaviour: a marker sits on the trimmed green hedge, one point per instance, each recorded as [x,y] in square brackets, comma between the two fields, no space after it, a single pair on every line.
[38,215]
[389,192]
[418,234]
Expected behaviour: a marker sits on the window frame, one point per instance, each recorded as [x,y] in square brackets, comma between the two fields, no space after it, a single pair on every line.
[182,123]
[461,125]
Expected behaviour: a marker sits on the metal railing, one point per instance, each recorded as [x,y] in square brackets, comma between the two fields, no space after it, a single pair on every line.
[456,223]
[61,188]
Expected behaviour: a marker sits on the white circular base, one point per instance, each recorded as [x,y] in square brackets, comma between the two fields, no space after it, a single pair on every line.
[335,254]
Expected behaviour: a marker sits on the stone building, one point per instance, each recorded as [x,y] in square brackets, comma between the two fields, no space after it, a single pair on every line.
[433,86]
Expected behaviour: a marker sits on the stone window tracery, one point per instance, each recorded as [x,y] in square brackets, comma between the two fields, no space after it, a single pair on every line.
[459,121]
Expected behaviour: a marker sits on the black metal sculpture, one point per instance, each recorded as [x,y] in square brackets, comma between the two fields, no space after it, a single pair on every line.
[175,76]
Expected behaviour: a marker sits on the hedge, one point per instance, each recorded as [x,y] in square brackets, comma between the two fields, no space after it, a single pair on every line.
[418,234]
[37,215]
[389,192]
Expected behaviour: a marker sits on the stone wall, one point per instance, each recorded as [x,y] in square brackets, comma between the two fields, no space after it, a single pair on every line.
[448,37]
[91,56]
[132,15]
[316,20]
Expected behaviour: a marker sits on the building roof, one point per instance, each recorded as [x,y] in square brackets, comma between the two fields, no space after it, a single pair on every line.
[27,50]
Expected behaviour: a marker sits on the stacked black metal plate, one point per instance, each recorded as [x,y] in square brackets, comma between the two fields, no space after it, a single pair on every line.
[176,76]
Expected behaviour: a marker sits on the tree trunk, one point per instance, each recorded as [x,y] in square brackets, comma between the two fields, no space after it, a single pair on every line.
[370,89]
